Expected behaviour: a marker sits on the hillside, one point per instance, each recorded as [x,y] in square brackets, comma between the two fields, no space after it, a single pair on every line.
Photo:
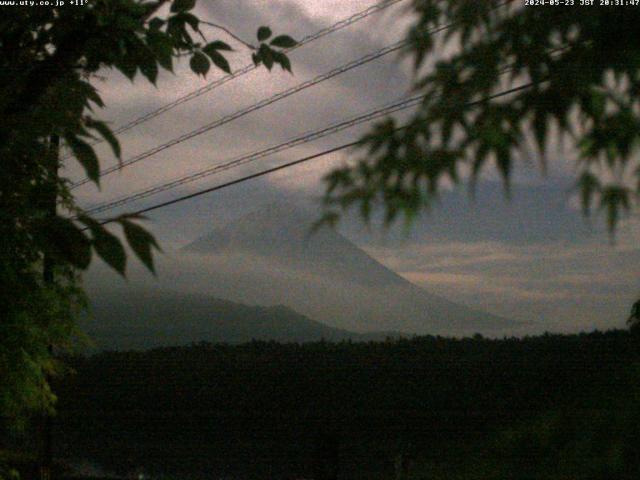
[141,319]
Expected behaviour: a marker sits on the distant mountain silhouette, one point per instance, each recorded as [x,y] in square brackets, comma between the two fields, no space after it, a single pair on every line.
[141,319]
[322,275]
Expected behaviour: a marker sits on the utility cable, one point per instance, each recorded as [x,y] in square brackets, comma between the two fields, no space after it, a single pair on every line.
[252,108]
[250,67]
[356,17]
[393,107]
[305,159]
[248,158]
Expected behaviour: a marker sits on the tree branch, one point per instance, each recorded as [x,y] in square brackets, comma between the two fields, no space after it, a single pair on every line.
[228,32]
[202,36]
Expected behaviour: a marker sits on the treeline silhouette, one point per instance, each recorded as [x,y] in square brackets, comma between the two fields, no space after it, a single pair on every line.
[509,408]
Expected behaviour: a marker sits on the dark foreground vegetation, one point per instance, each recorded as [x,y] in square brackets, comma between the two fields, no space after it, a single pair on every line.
[549,407]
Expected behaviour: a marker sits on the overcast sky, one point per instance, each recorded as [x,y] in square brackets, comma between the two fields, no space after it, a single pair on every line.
[533,258]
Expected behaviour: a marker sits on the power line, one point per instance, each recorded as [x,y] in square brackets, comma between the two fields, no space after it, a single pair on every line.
[263,103]
[248,158]
[268,101]
[252,108]
[356,17]
[398,105]
[306,159]
[250,67]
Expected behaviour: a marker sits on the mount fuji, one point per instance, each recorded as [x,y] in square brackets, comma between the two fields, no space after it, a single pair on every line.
[265,276]
[325,276]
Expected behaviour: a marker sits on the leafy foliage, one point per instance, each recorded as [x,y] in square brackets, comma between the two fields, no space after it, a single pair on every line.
[35,316]
[48,57]
[579,70]
[267,55]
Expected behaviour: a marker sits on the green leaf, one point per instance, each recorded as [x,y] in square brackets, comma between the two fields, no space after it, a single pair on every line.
[503,162]
[141,242]
[160,44]
[283,41]
[218,59]
[107,245]
[90,92]
[127,66]
[156,23]
[266,55]
[200,63]
[589,185]
[110,249]
[67,242]
[263,33]
[614,198]
[540,127]
[283,60]
[217,45]
[191,19]
[182,5]
[149,67]
[104,130]
[86,156]
[177,31]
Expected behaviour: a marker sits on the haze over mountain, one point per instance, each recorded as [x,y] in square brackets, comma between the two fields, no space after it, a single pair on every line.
[325,276]
[159,318]
[270,258]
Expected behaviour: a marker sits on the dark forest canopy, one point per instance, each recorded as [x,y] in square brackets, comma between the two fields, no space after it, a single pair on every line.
[216,404]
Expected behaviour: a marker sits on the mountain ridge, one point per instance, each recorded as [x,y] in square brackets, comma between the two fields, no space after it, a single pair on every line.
[281,233]
[264,277]
[140,319]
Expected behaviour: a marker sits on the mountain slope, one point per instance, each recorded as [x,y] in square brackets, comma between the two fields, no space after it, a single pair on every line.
[271,257]
[147,318]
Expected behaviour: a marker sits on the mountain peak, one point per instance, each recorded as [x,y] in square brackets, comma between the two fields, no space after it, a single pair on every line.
[327,277]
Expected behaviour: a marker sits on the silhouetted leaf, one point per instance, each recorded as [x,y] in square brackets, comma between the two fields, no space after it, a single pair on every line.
[106,133]
[67,242]
[182,5]
[127,66]
[90,92]
[283,60]
[219,61]
[149,67]
[199,63]
[266,56]
[107,245]
[540,128]
[217,45]
[191,20]
[156,23]
[86,156]
[160,45]
[614,199]
[283,41]
[588,185]
[263,33]
[141,242]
